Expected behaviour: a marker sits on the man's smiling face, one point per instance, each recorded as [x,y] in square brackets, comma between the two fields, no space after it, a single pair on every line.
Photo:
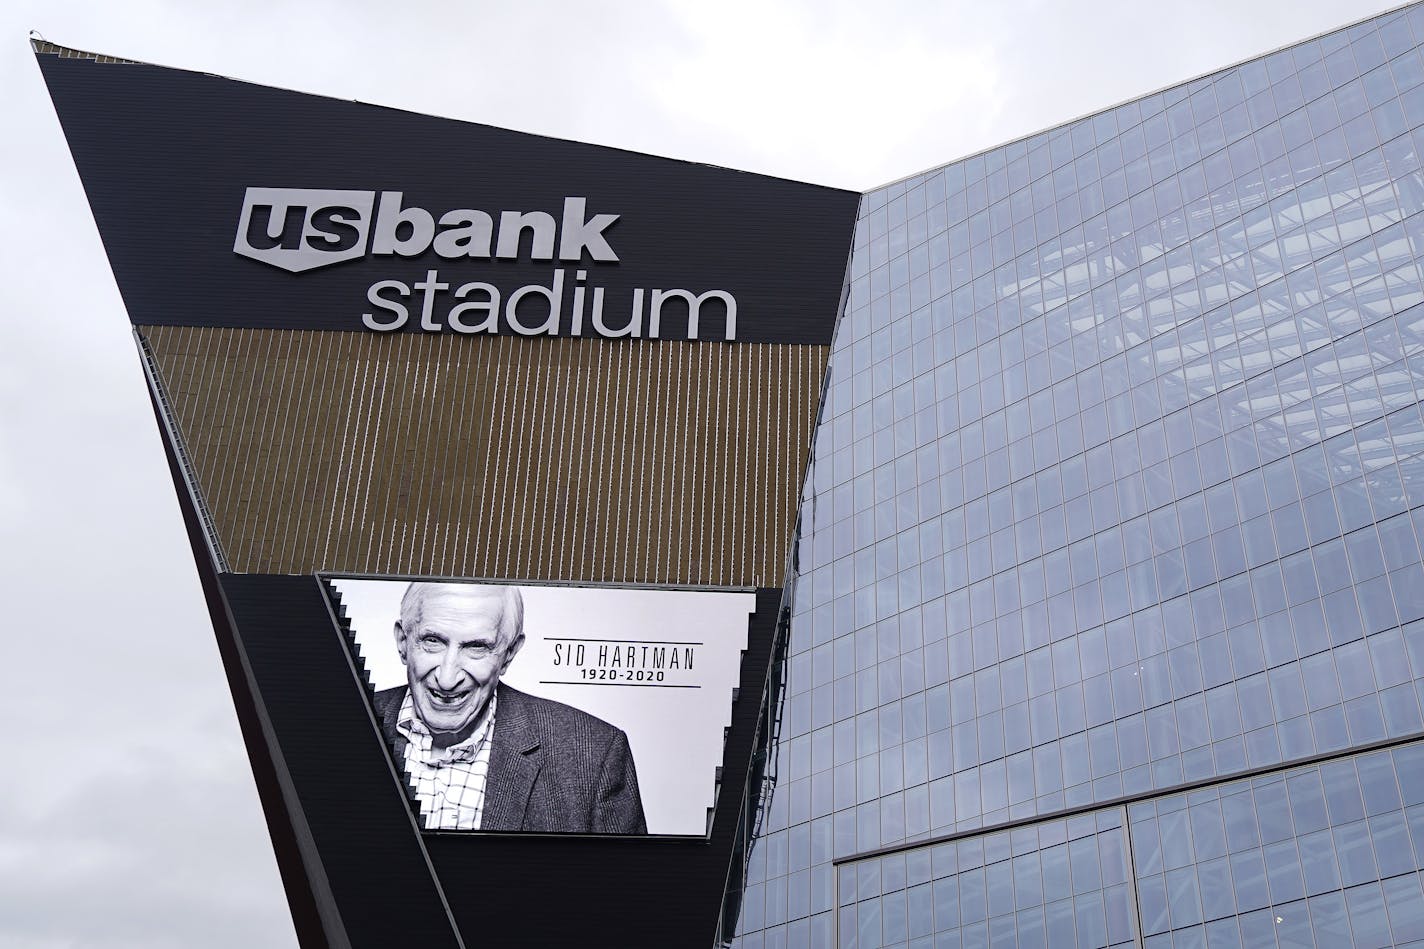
[454,653]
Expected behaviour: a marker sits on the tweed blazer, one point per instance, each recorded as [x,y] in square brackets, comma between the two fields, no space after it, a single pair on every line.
[553,768]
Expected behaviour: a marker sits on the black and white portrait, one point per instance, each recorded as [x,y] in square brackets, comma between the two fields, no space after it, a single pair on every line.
[542,709]
[481,755]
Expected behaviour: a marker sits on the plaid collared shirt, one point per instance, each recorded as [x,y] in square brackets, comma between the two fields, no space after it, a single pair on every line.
[449,782]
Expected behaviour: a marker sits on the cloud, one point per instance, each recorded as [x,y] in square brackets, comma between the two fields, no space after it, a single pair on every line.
[115,840]
[819,91]
[128,817]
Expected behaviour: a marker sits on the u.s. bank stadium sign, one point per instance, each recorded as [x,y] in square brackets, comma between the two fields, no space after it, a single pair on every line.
[231,205]
[301,229]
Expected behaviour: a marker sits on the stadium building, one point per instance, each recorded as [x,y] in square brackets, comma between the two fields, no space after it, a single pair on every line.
[1075,490]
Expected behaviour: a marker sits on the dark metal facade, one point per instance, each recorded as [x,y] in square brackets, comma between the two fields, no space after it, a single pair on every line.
[301,444]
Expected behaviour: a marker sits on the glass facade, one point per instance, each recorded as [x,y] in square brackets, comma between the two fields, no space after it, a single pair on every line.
[1108,613]
[1327,855]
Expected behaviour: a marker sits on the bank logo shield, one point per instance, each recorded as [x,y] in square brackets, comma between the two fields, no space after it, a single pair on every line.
[299,229]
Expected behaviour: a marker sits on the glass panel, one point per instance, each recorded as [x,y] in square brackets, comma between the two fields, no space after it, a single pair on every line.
[1119,484]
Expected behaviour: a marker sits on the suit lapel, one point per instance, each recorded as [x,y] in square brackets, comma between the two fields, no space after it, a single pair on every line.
[390,715]
[515,761]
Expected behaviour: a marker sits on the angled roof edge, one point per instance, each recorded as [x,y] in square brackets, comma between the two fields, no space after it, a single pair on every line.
[42,46]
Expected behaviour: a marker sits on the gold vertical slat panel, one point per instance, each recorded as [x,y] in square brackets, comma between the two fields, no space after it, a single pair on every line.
[502,456]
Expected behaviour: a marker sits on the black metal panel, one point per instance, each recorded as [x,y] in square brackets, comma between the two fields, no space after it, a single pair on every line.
[368,847]
[310,905]
[166,157]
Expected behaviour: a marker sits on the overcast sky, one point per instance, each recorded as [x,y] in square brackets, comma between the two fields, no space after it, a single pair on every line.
[128,816]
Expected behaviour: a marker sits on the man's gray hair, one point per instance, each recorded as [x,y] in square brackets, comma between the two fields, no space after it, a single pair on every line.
[511,618]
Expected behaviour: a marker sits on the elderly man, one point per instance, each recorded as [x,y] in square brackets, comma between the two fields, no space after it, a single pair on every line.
[480,755]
